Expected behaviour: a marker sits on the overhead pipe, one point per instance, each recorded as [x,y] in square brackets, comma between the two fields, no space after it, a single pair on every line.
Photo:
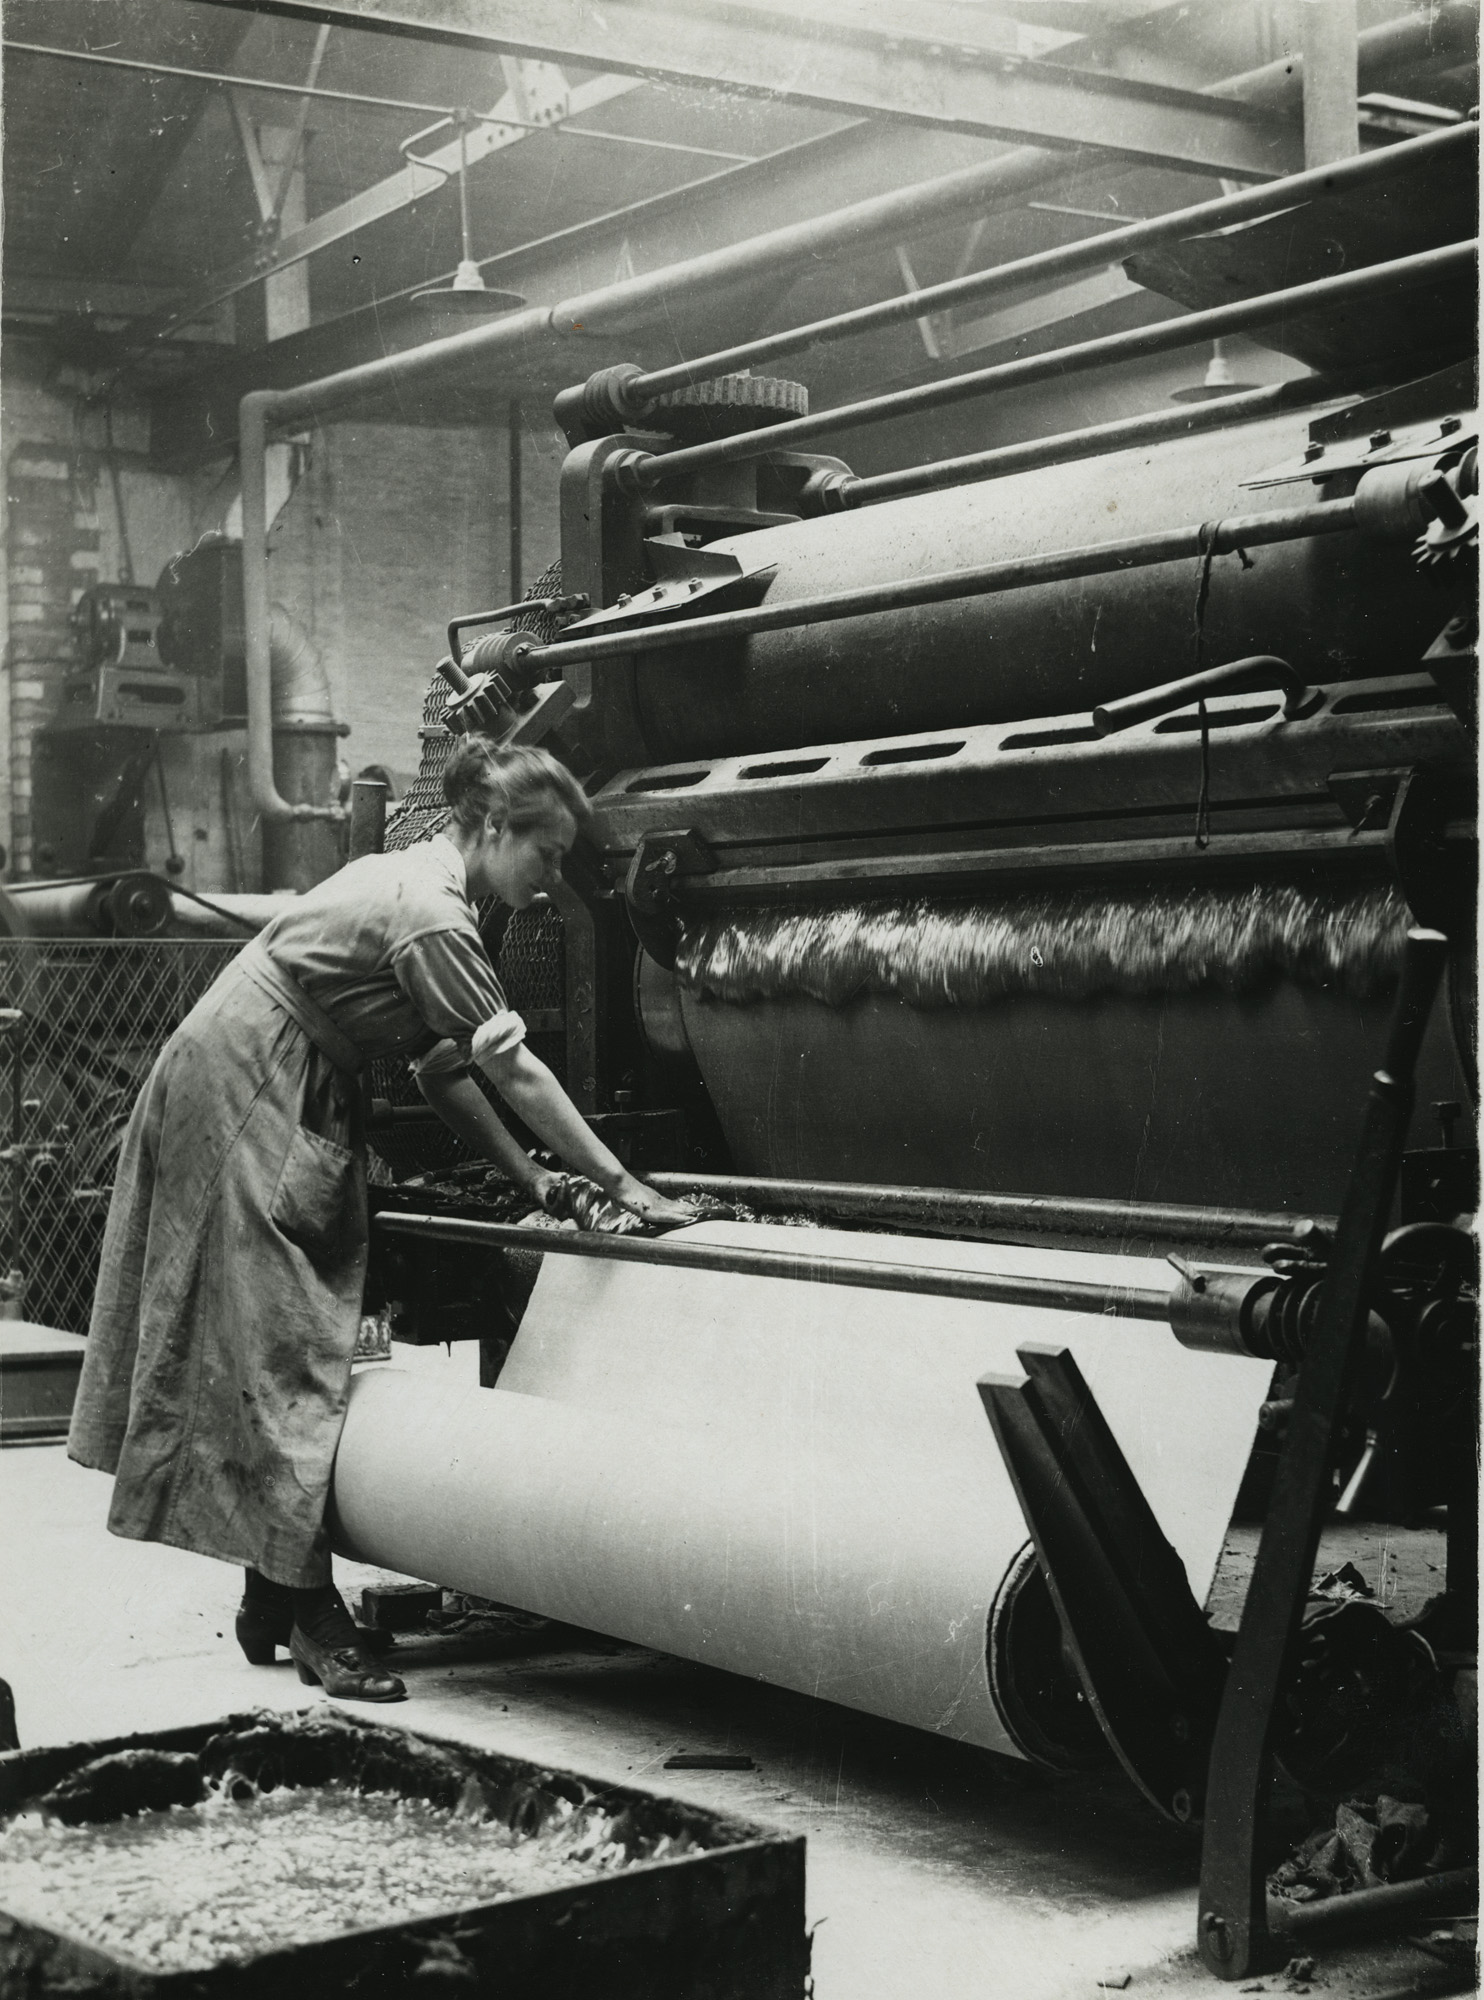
[637,390]
[643,472]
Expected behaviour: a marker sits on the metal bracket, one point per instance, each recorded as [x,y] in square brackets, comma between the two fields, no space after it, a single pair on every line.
[1415,805]
[1453,661]
[1437,875]
[700,581]
[660,859]
[1366,797]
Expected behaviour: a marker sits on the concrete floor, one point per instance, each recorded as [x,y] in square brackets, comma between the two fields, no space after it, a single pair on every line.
[933,1870]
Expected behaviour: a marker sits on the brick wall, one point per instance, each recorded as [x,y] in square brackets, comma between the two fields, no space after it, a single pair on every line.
[52,556]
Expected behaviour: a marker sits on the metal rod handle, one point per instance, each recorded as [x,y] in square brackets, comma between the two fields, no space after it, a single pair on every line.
[1261,670]
[929,1281]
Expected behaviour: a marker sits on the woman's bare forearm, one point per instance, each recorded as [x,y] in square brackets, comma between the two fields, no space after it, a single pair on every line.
[470,1116]
[534,1094]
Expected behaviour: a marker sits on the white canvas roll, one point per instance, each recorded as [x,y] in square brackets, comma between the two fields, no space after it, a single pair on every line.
[788,1480]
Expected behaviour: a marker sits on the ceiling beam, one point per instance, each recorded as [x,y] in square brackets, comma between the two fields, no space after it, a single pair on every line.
[810,52]
[124,155]
[105,303]
[199,417]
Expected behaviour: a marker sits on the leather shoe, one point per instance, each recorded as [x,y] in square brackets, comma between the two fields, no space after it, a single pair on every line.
[343,1667]
[262,1628]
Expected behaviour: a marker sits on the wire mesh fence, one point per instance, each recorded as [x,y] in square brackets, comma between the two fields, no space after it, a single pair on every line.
[95,1013]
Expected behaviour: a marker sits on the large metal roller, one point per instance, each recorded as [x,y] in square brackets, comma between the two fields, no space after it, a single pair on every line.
[1337,604]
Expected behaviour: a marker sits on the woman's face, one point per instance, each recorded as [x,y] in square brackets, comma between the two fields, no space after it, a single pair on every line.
[518,865]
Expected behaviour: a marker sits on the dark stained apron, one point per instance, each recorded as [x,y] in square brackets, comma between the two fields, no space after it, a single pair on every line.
[218,1361]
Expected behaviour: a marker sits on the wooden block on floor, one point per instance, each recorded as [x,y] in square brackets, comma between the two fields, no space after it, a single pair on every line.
[399,1607]
[39,1367]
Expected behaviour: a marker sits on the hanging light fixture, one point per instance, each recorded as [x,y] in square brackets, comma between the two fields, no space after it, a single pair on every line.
[468,294]
[1219,381]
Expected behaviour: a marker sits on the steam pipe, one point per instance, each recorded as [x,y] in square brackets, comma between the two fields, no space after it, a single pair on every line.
[1239,531]
[257,619]
[1047,266]
[613,308]
[1349,288]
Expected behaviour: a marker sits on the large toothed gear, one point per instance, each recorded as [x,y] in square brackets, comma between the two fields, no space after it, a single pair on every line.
[1442,544]
[1452,498]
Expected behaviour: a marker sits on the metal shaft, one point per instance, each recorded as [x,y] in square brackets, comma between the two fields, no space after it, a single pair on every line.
[979,1287]
[1013,1214]
[1063,447]
[1349,289]
[1241,531]
[1049,266]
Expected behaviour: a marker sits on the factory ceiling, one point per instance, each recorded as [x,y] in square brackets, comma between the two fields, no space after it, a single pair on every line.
[193,237]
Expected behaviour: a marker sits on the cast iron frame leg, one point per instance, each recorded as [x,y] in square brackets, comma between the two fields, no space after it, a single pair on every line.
[1232,1931]
[1149,1664]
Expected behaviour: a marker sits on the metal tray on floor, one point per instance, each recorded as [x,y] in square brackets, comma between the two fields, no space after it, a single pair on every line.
[722,1921]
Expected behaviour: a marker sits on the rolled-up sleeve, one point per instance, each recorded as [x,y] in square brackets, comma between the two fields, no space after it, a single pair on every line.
[447,976]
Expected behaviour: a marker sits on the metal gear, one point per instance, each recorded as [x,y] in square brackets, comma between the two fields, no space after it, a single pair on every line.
[1444,544]
[1450,494]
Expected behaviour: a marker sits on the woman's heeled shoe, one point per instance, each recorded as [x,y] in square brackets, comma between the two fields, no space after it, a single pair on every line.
[261,1630]
[343,1668]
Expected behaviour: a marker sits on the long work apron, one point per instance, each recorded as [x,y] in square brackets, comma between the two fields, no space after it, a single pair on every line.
[218,1361]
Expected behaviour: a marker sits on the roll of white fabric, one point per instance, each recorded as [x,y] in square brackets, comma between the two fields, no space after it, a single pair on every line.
[783,1479]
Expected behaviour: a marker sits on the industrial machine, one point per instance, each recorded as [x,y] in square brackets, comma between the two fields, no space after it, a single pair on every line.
[167,661]
[1016,866]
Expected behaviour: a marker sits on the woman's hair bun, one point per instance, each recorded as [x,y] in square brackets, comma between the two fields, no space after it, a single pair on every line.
[520,786]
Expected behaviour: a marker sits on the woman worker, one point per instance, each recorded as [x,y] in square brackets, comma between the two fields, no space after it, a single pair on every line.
[218,1362]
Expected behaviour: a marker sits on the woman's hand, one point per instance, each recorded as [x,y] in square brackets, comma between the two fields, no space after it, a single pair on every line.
[651,1206]
[543,1187]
